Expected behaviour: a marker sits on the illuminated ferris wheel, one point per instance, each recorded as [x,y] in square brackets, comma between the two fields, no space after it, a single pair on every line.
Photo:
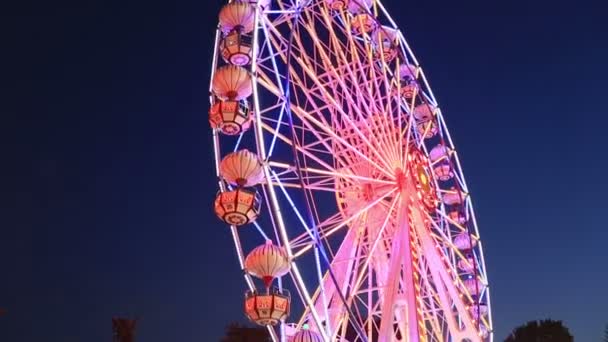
[339,180]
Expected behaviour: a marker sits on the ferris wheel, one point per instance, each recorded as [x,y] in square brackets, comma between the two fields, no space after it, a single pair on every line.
[338,179]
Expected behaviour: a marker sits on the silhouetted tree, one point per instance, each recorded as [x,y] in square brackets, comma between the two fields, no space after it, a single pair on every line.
[236,332]
[124,329]
[541,331]
[606,333]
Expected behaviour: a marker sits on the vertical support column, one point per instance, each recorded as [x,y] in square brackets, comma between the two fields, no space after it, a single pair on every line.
[401,255]
[410,287]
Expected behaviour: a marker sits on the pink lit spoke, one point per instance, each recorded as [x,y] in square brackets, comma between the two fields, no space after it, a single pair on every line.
[328,231]
[333,174]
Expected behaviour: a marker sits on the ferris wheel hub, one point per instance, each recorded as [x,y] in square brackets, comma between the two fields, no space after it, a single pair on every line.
[400,178]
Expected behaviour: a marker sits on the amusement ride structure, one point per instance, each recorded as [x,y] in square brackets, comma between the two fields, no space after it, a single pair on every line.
[338,179]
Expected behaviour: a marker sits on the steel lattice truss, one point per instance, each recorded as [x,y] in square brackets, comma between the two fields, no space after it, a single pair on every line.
[342,185]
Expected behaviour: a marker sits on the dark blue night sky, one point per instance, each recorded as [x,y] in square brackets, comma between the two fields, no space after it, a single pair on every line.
[107,177]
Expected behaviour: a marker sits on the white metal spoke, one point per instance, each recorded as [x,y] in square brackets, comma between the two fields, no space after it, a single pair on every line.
[330,230]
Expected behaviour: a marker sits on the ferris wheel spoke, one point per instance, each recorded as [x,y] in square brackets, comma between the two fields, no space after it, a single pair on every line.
[385,167]
[319,121]
[278,125]
[306,186]
[328,97]
[372,247]
[392,112]
[329,230]
[303,242]
[378,85]
[313,123]
[322,87]
[317,179]
[301,150]
[358,54]
[329,67]
[322,138]
[332,174]
[355,48]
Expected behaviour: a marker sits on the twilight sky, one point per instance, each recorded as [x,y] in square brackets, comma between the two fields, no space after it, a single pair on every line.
[107,180]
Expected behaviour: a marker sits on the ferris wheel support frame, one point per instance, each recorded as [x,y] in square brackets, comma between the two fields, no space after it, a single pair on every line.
[296,246]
